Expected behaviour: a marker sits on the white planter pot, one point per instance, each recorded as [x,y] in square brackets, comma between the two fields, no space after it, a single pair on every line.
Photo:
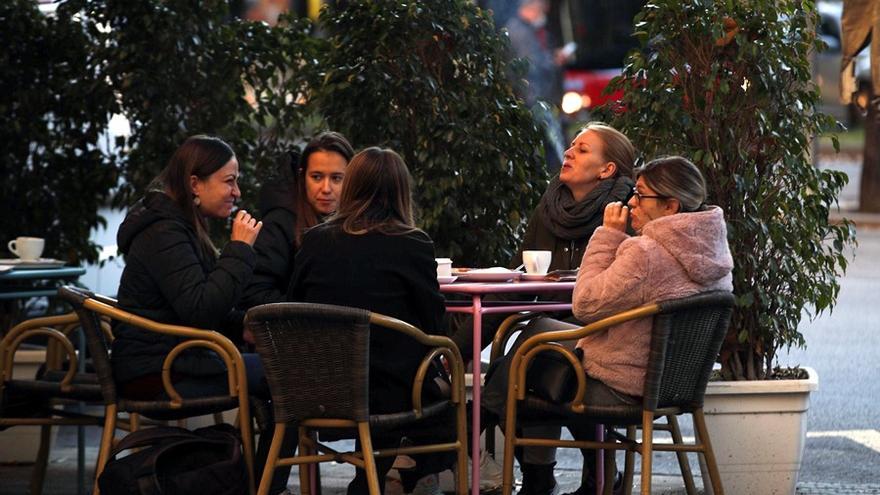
[758,431]
[21,443]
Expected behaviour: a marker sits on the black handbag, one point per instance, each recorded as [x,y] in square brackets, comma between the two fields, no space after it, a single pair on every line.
[551,377]
[177,461]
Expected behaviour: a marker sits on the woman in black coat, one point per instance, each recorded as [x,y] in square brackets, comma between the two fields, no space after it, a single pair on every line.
[370,255]
[174,274]
[289,207]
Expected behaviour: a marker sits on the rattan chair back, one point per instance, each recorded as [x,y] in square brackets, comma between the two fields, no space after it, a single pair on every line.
[99,348]
[316,359]
[686,337]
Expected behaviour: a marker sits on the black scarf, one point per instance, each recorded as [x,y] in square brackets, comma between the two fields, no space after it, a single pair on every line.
[568,219]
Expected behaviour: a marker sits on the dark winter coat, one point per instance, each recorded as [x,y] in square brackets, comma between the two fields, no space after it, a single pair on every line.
[275,246]
[170,279]
[394,275]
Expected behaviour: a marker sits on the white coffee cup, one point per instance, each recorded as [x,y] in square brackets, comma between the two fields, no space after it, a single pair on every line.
[537,262]
[27,248]
[444,267]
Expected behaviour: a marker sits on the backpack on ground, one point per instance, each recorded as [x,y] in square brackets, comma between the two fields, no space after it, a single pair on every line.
[174,461]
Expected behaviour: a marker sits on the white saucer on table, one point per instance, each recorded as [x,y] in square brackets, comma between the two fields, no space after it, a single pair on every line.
[496,274]
[534,277]
[20,264]
[446,280]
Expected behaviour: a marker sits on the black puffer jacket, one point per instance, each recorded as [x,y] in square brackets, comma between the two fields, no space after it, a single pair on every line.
[170,279]
[274,247]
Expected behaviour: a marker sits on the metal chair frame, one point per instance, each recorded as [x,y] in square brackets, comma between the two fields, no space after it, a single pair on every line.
[653,406]
[93,310]
[312,451]
[72,386]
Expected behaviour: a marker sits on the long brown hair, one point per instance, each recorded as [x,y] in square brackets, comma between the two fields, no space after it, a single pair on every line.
[326,141]
[201,156]
[376,195]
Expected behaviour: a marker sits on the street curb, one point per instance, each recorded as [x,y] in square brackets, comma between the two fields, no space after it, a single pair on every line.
[859,219]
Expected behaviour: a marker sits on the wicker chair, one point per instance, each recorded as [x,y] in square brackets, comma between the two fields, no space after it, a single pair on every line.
[685,339]
[93,309]
[58,383]
[316,359]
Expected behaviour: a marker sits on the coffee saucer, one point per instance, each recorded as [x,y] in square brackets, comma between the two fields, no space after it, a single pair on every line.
[21,264]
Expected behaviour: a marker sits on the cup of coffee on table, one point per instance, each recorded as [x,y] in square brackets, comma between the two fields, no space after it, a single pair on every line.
[444,267]
[537,262]
[27,248]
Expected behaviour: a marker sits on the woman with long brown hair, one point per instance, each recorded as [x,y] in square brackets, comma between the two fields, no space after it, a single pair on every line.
[290,207]
[370,255]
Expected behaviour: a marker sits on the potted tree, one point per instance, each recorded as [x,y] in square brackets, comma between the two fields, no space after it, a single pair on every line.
[728,84]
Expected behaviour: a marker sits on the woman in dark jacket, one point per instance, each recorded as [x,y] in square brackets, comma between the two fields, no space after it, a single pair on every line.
[289,207]
[370,255]
[174,274]
[597,170]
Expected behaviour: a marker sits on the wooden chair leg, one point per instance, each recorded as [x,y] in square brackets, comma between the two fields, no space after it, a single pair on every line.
[245,428]
[134,419]
[507,466]
[107,435]
[610,472]
[683,463]
[629,463]
[39,474]
[708,453]
[272,459]
[369,460]
[305,480]
[647,450]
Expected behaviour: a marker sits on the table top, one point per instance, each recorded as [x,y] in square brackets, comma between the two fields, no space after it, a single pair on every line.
[43,273]
[505,287]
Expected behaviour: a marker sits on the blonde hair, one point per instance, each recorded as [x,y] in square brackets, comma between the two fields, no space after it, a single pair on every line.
[618,148]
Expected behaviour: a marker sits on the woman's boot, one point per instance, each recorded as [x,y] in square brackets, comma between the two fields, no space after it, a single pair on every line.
[538,479]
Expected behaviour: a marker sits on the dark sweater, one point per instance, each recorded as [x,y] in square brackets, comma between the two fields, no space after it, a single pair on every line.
[275,246]
[394,275]
[170,279]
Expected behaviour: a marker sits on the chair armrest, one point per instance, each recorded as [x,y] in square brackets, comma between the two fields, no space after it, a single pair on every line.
[548,341]
[46,326]
[442,346]
[505,330]
[195,337]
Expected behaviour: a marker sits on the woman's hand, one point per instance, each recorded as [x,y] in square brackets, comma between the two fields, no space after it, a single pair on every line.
[616,215]
[245,228]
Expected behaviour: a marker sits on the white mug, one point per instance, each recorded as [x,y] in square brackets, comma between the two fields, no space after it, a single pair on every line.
[27,248]
[537,262]
[444,267]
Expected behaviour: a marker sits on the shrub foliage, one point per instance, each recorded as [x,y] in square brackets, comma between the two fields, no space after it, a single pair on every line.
[728,84]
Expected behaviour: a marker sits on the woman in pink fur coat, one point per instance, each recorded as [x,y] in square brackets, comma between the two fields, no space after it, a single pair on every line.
[680,249]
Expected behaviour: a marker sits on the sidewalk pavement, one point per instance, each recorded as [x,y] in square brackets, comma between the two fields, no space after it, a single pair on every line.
[61,475]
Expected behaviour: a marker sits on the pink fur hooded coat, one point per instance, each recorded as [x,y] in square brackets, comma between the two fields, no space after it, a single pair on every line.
[675,256]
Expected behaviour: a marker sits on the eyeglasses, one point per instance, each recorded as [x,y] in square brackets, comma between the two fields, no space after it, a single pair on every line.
[639,197]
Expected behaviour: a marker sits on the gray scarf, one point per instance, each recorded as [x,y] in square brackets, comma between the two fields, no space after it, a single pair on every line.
[568,219]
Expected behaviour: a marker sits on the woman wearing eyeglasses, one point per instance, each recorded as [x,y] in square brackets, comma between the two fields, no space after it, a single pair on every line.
[680,249]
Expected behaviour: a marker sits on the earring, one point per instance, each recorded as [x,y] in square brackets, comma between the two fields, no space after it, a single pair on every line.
[197,201]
